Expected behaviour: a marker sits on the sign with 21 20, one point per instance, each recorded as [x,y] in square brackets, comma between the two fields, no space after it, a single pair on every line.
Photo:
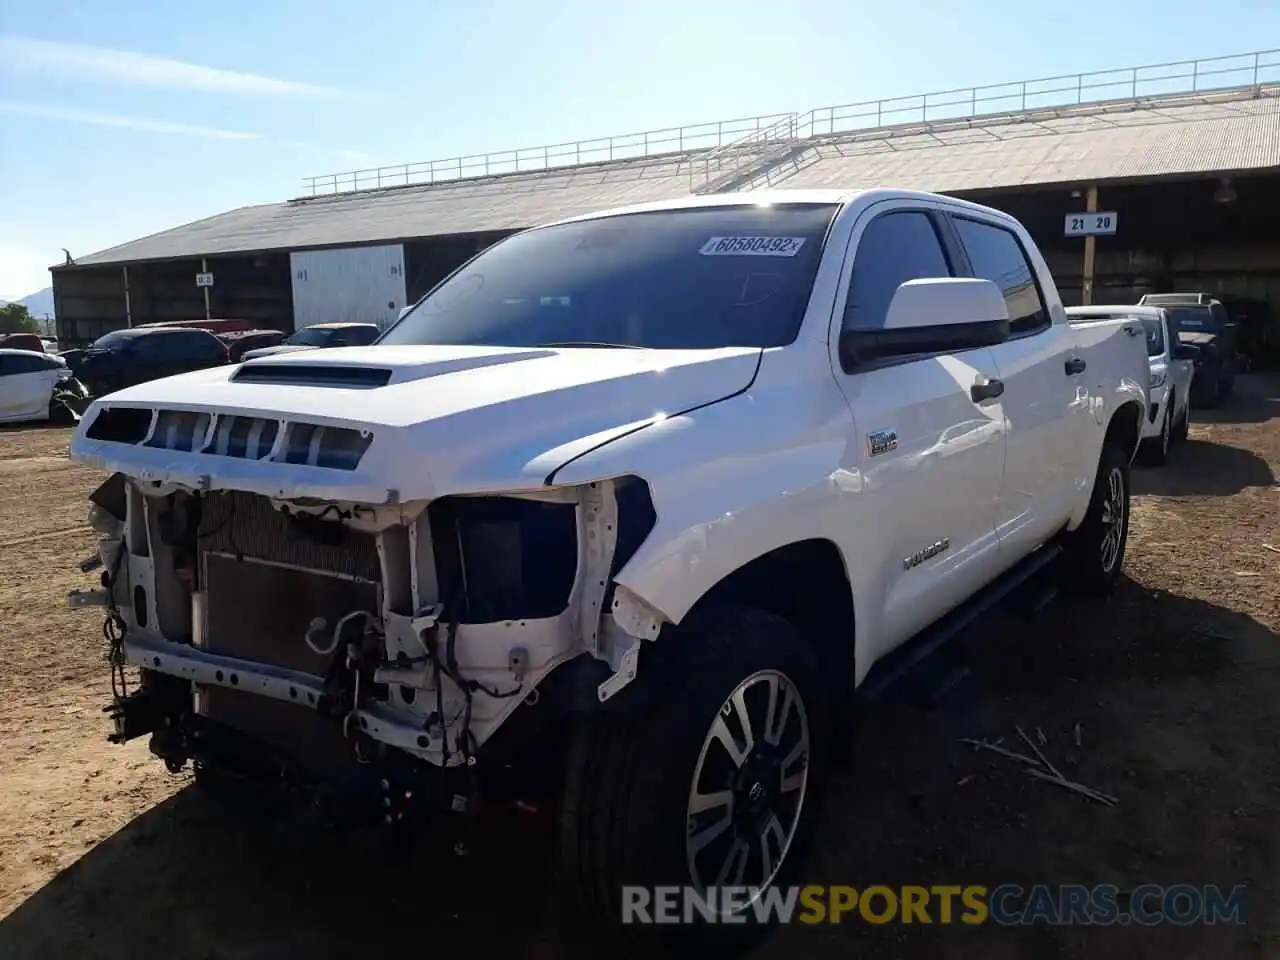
[1101,224]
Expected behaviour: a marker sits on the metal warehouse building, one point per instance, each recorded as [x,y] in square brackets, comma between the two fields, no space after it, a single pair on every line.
[1182,159]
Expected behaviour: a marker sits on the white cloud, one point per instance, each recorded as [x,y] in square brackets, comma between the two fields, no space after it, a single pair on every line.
[107,65]
[72,115]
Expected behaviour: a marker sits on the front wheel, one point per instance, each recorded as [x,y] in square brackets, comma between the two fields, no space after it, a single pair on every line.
[1155,452]
[710,787]
[1095,549]
[1183,428]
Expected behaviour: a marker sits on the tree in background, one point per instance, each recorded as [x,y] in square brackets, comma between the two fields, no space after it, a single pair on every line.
[15,318]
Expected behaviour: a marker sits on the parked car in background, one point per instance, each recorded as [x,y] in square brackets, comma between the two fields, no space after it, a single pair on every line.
[123,358]
[213,325]
[36,386]
[1257,330]
[1203,322]
[50,346]
[320,336]
[22,341]
[1172,367]
[238,342]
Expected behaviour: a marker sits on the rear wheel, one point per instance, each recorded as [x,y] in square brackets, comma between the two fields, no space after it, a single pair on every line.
[1095,549]
[711,784]
[1155,452]
[1183,428]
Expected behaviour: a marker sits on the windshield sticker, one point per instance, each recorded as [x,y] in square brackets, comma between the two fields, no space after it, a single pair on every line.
[752,246]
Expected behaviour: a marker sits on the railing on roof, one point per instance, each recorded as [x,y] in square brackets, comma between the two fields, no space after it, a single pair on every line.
[737,145]
[712,169]
[650,143]
[1073,90]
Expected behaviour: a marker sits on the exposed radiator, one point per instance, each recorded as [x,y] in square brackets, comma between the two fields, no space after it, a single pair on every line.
[266,578]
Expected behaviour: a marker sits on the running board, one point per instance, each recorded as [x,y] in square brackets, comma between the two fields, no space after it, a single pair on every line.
[895,665]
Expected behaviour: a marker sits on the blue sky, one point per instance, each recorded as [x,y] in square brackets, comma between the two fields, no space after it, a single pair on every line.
[118,119]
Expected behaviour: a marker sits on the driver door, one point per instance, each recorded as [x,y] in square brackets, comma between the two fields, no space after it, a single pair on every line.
[931,456]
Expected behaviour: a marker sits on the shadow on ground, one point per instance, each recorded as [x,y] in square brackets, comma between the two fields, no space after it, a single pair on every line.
[1256,399]
[1177,710]
[1208,464]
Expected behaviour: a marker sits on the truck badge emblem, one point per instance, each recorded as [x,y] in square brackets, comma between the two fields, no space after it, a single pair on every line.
[928,553]
[882,441]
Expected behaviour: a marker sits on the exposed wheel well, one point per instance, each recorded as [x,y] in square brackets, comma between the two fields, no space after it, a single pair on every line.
[1126,427]
[805,583]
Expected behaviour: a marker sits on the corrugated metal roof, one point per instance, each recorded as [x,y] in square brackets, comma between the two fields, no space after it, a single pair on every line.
[500,203]
[1165,136]
[1223,136]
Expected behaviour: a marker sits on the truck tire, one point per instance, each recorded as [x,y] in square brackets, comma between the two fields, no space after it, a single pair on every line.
[1155,451]
[630,814]
[1095,549]
[1183,429]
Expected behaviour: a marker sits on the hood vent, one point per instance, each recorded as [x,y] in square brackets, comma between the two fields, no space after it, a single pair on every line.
[231,435]
[313,375]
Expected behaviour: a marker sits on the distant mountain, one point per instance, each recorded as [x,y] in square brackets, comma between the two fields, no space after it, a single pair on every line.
[39,304]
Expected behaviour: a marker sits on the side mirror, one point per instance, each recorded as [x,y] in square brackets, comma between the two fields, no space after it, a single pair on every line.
[1186,351]
[931,316]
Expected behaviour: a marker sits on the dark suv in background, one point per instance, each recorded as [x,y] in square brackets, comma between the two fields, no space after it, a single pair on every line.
[1201,320]
[123,358]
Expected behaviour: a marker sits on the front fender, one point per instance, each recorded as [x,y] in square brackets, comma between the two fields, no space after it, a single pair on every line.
[729,482]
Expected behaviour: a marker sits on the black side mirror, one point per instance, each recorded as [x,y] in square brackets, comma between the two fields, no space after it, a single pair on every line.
[1186,351]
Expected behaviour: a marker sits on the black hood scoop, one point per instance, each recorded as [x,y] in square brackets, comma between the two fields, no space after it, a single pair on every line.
[313,375]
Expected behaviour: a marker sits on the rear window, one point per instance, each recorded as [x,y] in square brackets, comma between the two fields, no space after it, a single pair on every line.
[671,279]
[1193,319]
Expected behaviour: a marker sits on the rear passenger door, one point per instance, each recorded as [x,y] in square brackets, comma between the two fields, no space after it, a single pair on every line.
[930,456]
[1040,397]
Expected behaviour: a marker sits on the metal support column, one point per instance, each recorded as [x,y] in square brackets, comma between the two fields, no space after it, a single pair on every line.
[204,268]
[1090,249]
[128,307]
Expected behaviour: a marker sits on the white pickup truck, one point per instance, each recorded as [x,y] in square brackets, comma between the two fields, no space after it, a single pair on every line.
[625,510]
[1172,370]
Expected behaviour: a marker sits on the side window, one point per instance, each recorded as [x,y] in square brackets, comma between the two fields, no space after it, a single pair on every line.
[996,255]
[894,248]
[206,348]
[26,363]
[150,348]
[6,365]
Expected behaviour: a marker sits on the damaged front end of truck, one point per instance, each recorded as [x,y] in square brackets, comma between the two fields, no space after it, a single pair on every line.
[290,621]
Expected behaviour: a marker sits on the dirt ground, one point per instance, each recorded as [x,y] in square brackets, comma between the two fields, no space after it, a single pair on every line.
[1174,684]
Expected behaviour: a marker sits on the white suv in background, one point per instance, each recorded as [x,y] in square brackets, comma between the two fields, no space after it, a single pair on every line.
[1172,367]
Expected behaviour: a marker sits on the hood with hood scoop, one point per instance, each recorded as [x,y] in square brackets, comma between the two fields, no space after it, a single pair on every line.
[397,423]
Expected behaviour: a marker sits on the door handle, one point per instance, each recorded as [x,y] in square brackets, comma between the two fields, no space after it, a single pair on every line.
[1075,365]
[986,388]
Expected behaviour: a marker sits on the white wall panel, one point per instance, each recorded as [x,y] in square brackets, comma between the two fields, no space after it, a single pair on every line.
[348,284]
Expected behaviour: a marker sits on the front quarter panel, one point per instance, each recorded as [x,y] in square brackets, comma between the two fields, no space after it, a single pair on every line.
[734,480]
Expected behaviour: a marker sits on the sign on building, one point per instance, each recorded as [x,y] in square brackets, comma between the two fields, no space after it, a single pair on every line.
[1100,224]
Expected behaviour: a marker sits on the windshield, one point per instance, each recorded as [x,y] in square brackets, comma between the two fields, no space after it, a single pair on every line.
[1192,319]
[116,340]
[671,279]
[310,337]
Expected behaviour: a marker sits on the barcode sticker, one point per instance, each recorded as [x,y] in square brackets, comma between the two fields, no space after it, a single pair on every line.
[752,246]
